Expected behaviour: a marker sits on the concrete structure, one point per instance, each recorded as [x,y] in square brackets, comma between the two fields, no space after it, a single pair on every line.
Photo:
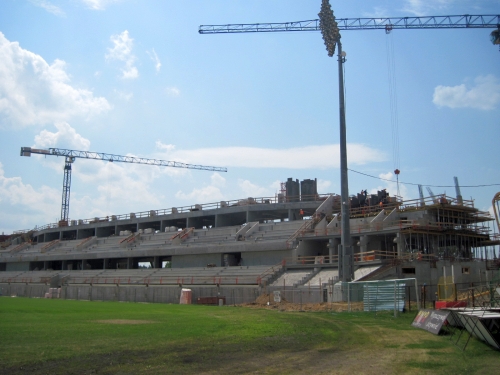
[391,238]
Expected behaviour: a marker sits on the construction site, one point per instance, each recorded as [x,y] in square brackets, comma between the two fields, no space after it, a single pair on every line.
[299,246]
[240,249]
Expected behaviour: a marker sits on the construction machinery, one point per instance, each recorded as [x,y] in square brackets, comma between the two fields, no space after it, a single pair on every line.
[330,28]
[71,155]
[496,208]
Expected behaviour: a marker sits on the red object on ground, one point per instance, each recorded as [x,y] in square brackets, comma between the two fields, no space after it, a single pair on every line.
[186,296]
[445,304]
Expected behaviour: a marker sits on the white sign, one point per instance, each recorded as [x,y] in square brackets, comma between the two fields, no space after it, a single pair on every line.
[277,296]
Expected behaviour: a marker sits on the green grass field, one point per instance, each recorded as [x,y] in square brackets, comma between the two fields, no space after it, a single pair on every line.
[42,336]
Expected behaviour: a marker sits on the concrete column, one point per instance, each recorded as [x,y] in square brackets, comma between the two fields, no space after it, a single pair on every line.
[64,265]
[104,263]
[130,264]
[156,262]
[45,265]
[363,244]
[399,242]
[293,215]
[223,221]
[333,245]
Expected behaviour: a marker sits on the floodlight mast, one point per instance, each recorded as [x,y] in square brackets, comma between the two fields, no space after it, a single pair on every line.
[71,155]
[331,36]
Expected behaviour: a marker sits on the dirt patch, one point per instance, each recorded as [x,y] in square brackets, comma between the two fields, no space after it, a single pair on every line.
[266,301]
[124,321]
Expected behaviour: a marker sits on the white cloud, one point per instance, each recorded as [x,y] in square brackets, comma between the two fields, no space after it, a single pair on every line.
[321,157]
[252,190]
[124,95]
[155,59]
[388,179]
[172,91]
[217,180]
[65,137]
[210,193]
[122,51]
[485,94]
[34,92]
[323,186]
[276,186]
[206,194]
[49,7]
[98,4]
[162,146]
[425,7]
[39,202]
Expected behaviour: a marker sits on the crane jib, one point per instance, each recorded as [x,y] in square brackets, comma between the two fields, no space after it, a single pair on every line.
[427,22]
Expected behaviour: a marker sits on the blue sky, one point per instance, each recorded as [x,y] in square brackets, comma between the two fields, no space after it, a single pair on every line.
[134,77]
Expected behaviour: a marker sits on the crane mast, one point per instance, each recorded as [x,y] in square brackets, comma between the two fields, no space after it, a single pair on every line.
[71,155]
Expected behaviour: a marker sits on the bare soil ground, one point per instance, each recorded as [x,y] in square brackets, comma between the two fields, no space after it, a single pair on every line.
[266,301]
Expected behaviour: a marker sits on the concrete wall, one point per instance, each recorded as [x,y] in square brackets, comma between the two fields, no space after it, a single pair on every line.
[18,266]
[24,290]
[198,260]
[151,294]
[262,258]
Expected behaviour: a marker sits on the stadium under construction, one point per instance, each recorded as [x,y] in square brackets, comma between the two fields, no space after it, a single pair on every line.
[290,240]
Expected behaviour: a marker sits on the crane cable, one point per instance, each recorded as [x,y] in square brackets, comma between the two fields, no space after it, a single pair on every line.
[393,99]
[416,184]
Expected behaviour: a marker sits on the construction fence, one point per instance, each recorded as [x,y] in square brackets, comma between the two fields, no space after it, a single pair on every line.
[395,295]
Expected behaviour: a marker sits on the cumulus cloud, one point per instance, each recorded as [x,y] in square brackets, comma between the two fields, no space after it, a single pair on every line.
[484,94]
[98,4]
[155,59]
[64,137]
[32,92]
[14,192]
[217,180]
[49,7]
[205,194]
[250,189]
[321,157]
[323,186]
[122,51]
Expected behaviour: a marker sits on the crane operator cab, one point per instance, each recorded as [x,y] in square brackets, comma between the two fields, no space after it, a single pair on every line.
[495,36]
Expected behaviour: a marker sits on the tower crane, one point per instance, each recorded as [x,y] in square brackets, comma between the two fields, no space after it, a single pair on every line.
[330,28]
[71,155]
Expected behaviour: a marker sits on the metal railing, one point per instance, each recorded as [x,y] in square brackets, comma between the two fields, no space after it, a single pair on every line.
[190,208]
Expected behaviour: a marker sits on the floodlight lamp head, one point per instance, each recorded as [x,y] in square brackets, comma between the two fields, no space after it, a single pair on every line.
[328,27]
